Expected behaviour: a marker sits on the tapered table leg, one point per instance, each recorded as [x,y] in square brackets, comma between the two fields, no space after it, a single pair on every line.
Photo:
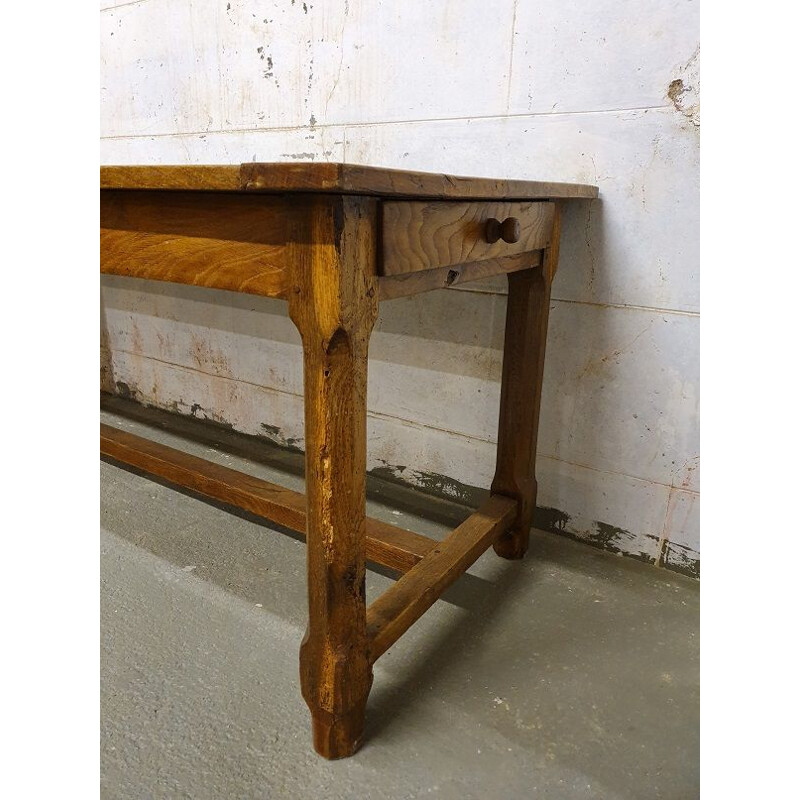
[521,393]
[333,302]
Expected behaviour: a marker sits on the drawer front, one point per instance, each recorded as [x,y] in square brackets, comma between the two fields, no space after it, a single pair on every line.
[419,236]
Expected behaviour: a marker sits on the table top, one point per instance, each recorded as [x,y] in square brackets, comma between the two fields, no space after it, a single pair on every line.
[334,178]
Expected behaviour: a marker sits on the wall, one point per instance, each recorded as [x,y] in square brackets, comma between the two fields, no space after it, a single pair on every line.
[601,92]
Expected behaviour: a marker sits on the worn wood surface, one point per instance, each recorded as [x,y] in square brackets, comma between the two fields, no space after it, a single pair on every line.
[335,178]
[333,255]
[521,393]
[400,606]
[421,236]
[386,544]
[333,301]
[218,241]
[408,283]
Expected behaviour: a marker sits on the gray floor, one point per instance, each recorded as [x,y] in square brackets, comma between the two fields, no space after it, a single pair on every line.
[572,674]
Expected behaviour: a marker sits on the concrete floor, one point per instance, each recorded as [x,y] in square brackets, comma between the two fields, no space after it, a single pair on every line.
[572,674]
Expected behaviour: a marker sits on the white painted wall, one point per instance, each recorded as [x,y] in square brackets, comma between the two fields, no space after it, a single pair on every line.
[599,91]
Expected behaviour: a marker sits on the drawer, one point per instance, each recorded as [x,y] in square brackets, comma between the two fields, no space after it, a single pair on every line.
[419,236]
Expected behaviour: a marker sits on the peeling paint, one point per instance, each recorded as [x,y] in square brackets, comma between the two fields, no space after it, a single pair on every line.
[684,91]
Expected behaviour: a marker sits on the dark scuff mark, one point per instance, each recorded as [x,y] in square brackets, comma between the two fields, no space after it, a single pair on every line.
[431,483]
[275,435]
[387,473]
[219,421]
[682,559]
[196,411]
[617,540]
[608,537]
[434,483]
[313,121]
[310,156]
[550,519]
[125,391]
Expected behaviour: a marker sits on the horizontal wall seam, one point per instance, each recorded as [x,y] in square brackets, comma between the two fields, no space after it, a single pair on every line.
[649,481]
[628,306]
[335,125]
[201,371]
[122,5]
[408,422]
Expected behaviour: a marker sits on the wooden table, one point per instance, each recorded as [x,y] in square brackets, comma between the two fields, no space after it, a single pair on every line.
[335,240]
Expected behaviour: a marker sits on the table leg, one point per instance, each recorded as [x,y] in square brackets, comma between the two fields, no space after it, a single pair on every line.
[333,302]
[521,393]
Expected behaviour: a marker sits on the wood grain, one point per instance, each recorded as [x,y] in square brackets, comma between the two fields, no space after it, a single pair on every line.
[218,241]
[333,301]
[527,314]
[408,283]
[400,606]
[187,176]
[422,236]
[337,179]
[386,545]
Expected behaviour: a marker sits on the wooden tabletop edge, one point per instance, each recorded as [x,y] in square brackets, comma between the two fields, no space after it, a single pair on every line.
[335,178]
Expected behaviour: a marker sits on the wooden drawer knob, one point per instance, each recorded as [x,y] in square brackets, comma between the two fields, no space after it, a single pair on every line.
[509,230]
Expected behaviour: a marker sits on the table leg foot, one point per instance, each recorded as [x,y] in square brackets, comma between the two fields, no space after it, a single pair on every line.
[512,546]
[338,735]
